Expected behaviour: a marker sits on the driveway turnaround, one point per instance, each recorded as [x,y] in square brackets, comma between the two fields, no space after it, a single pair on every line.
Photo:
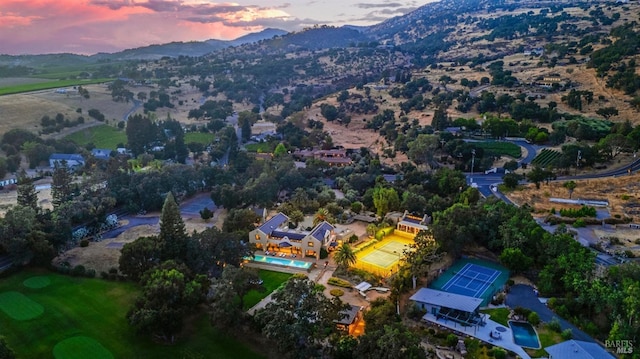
[521,295]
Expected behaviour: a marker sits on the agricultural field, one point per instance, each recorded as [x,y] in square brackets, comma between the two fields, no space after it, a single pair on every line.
[46,85]
[546,158]
[44,315]
[102,136]
[500,149]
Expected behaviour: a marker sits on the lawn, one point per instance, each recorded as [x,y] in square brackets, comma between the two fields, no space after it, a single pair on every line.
[500,148]
[271,281]
[199,137]
[48,85]
[261,147]
[102,136]
[547,338]
[498,315]
[87,314]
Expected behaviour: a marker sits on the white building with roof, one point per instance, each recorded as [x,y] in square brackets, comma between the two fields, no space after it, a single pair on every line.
[449,306]
[72,160]
[577,349]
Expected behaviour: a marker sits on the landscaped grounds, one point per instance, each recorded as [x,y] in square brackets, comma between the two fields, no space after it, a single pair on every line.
[270,281]
[383,257]
[45,315]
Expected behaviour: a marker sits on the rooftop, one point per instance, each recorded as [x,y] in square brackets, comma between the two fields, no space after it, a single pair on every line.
[577,349]
[273,223]
[320,231]
[447,300]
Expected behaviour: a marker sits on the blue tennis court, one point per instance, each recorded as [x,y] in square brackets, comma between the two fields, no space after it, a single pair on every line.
[472,280]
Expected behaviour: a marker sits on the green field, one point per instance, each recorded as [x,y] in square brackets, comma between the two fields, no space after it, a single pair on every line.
[199,137]
[93,311]
[19,307]
[102,136]
[261,147]
[79,348]
[271,281]
[48,85]
[500,148]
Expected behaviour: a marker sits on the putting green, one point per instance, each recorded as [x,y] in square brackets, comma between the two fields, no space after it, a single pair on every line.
[37,282]
[19,307]
[80,348]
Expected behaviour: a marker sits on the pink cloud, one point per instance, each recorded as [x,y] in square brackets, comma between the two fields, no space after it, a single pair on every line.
[89,26]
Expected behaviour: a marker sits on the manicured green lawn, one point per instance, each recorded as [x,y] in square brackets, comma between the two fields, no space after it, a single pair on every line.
[96,309]
[271,281]
[500,148]
[547,338]
[498,315]
[102,136]
[48,85]
[199,137]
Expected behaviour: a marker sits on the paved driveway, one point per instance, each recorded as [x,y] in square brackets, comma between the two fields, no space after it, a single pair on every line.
[521,295]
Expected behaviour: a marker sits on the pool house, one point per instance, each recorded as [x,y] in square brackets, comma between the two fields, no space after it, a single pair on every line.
[447,306]
[410,225]
[275,237]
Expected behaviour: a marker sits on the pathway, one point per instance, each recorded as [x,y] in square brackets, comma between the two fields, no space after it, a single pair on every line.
[521,295]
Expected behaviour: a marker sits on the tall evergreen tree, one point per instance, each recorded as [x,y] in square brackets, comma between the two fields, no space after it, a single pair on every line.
[27,195]
[173,235]
[61,185]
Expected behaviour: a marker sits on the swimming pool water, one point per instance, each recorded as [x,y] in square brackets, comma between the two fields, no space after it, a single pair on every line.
[524,335]
[282,261]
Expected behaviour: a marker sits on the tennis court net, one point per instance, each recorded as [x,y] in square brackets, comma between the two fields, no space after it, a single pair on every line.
[395,253]
[475,279]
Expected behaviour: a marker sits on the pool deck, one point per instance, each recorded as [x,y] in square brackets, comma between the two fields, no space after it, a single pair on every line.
[482,333]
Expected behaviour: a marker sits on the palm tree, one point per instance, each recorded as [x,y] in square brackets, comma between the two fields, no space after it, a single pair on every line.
[345,257]
[321,215]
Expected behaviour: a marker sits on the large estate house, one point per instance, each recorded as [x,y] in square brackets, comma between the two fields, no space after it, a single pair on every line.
[72,160]
[334,157]
[274,235]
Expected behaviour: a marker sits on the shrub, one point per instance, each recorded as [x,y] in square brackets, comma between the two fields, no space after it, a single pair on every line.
[84,243]
[319,288]
[353,238]
[113,270]
[554,325]
[566,334]
[452,340]
[323,253]
[498,299]
[533,318]
[584,211]
[336,292]
[339,282]
[78,270]
[499,353]
[524,312]
[415,312]
[90,273]
[579,223]
[104,275]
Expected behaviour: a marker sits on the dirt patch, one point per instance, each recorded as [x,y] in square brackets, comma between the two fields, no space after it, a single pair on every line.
[100,255]
[621,192]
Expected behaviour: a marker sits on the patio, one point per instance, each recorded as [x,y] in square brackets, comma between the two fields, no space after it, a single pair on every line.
[486,333]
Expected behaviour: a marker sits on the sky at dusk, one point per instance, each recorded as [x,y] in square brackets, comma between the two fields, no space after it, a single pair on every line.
[91,26]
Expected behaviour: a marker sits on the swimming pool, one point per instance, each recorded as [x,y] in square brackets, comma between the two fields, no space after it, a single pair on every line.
[524,335]
[282,261]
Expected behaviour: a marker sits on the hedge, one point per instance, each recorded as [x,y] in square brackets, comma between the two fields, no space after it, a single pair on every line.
[339,282]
